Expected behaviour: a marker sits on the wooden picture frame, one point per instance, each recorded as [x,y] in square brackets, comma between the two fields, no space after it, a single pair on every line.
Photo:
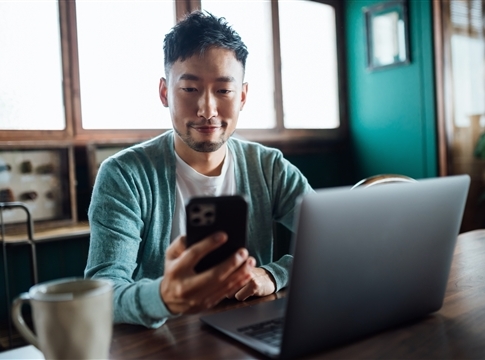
[387,35]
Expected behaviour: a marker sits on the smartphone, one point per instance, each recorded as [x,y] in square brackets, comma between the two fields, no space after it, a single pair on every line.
[209,214]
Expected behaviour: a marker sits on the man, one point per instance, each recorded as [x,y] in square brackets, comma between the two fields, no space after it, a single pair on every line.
[137,214]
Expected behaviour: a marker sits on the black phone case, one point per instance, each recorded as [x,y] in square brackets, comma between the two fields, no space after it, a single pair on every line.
[207,215]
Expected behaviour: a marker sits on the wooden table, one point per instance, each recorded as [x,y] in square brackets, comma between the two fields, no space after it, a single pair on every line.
[457,331]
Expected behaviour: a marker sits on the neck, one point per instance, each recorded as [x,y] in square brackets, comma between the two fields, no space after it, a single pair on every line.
[205,163]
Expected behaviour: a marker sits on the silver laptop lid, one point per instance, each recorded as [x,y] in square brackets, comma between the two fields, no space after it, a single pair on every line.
[369,259]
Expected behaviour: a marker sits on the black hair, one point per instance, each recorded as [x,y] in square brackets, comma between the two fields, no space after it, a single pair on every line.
[197,32]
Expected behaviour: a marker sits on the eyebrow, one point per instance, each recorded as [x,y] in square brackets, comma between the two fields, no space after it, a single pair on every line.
[196,78]
[226,79]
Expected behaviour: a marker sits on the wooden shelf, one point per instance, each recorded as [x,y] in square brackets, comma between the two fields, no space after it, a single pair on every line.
[66,232]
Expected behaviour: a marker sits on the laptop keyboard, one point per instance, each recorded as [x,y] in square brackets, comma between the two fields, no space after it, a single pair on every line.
[270,332]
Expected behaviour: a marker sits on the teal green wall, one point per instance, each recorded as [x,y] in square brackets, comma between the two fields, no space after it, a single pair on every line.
[392,111]
[327,169]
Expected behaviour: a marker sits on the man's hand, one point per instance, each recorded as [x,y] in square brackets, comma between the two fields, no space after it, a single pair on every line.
[185,291]
[261,284]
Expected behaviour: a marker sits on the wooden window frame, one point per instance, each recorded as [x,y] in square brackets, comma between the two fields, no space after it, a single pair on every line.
[278,136]
[308,138]
[7,136]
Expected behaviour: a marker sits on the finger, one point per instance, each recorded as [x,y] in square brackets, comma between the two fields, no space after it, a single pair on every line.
[209,299]
[222,271]
[218,281]
[246,292]
[235,281]
[209,286]
[251,262]
[213,286]
[200,249]
[176,248]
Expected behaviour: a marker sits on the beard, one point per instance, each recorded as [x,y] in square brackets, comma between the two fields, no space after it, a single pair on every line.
[202,146]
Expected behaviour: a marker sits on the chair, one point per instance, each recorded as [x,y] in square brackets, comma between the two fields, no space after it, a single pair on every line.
[30,233]
[382,179]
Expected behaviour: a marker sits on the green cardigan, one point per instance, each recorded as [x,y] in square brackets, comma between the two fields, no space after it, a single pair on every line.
[131,211]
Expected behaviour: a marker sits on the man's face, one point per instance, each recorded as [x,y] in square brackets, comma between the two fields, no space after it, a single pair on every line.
[205,95]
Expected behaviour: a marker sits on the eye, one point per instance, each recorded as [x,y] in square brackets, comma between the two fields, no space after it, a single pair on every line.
[189,89]
[225,91]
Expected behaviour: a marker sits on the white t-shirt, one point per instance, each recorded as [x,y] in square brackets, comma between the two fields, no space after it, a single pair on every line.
[191,183]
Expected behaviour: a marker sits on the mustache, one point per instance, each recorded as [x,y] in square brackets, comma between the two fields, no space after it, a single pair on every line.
[204,122]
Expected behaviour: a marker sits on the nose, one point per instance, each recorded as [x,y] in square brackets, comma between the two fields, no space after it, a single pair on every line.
[207,106]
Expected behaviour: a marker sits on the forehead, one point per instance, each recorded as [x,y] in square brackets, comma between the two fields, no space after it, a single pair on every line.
[211,64]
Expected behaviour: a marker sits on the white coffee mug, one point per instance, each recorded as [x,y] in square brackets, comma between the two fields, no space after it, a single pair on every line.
[73,318]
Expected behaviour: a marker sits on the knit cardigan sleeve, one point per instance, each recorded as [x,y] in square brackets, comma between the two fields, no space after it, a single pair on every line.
[129,234]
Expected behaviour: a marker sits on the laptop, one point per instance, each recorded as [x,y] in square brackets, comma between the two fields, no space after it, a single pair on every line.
[365,260]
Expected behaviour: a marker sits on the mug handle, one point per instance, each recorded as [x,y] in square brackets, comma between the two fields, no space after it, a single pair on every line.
[19,322]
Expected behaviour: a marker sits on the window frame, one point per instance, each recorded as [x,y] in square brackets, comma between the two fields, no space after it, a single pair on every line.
[278,136]
[68,132]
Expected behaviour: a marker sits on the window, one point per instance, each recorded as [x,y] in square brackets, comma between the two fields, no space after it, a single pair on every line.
[90,70]
[309,65]
[259,111]
[31,93]
[307,51]
[120,49]
[467,49]
[468,74]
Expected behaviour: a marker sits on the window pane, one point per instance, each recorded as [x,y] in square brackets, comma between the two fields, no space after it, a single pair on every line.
[309,65]
[120,46]
[30,66]
[468,74]
[252,21]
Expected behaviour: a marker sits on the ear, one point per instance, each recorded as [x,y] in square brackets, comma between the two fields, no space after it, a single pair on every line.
[244,94]
[163,91]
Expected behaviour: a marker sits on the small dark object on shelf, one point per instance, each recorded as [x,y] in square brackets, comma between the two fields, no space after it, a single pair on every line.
[6,195]
[29,195]
[26,167]
[50,195]
[45,169]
